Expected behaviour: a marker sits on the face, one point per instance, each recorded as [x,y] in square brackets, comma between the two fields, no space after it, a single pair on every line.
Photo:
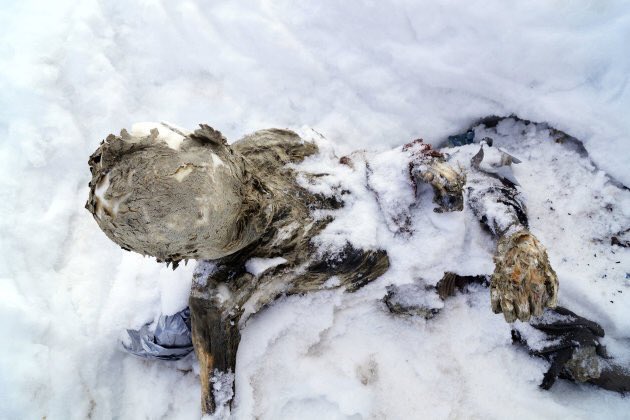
[194,200]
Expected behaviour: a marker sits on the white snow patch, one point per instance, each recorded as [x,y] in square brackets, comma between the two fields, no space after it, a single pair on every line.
[216,160]
[99,192]
[334,281]
[182,172]
[257,266]
[222,391]
[172,136]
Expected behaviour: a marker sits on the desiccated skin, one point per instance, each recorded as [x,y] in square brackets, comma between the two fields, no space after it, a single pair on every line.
[523,283]
[429,166]
[205,199]
[229,204]
[200,201]
[424,165]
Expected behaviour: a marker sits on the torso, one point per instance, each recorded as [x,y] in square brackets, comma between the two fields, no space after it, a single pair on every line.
[227,291]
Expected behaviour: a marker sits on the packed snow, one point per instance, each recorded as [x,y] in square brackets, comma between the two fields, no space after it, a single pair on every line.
[351,76]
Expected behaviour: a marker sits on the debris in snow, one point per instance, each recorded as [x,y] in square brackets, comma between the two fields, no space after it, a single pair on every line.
[451,282]
[461,139]
[413,299]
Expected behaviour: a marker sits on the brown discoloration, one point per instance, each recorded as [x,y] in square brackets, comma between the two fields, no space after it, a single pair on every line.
[429,166]
[420,148]
[141,203]
[208,200]
[451,282]
[206,366]
[523,282]
[223,300]
[216,336]
[346,160]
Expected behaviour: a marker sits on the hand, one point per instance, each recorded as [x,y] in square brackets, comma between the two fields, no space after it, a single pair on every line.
[446,181]
[523,282]
[429,165]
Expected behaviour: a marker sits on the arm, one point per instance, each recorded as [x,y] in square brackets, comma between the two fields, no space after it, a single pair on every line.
[523,282]
[395,178]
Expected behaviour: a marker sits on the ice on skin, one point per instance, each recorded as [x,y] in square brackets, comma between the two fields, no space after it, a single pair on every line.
[570,343]
[255,223]
[523,282]
[247,204]
[222,391]
[396,177]
[413,299]
[257,266]
[65,275]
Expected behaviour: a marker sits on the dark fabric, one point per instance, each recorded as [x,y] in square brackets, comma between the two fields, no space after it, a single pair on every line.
[566,332]
[462,139]
[171,339]
[613,378]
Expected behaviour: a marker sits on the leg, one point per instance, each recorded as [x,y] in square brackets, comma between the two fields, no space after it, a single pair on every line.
[206,363]
[215,338]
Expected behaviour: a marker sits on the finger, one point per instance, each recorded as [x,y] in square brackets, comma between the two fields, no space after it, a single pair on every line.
[536,300]
[551,286]
[495,299]
[508,308]
[522,307]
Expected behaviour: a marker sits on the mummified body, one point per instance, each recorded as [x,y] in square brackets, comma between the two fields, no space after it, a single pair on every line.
[178,196]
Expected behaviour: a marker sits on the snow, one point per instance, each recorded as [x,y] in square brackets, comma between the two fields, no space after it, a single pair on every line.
[257,266]
[369,75]
[172,136]
[222,391]
[388,176]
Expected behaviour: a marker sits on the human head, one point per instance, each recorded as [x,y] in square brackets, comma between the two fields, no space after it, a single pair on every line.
[174,195]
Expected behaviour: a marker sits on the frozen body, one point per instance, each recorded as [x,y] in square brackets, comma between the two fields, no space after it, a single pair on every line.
[259,221]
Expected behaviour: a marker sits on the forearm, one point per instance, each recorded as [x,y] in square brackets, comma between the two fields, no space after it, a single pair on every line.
[497,204]
[523,282]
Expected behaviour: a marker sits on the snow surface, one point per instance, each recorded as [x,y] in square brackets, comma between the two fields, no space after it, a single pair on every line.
[366,75]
